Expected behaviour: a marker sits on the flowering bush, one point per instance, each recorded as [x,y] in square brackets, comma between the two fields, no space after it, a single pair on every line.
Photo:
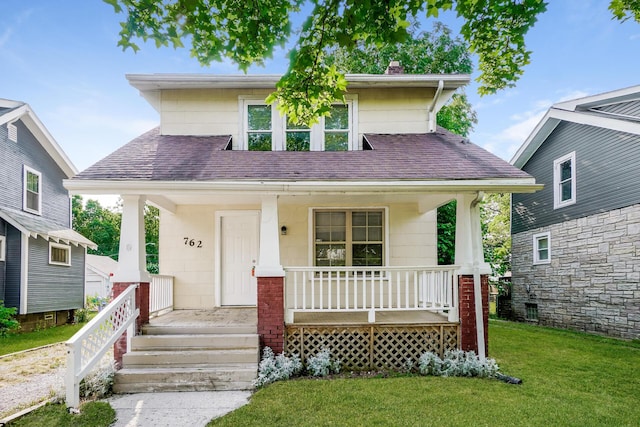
[321,364]
[275,368]
[457,363]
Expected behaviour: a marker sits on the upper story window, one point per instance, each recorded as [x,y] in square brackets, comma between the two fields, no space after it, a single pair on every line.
[564,181]
[349,238]
[2,248]
[542,248]
[265,130]
[32,194]
[59,254]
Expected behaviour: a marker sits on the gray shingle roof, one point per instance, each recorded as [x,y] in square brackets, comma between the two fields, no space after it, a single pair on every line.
[435,156]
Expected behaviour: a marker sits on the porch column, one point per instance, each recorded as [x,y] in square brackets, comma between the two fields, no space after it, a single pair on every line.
[132,266]
[473,274]
[270,275]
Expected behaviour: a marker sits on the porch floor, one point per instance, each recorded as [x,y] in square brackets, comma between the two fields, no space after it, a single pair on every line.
[359,318]
[219,316]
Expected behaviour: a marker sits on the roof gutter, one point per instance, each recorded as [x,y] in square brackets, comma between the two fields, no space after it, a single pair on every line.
[106,186]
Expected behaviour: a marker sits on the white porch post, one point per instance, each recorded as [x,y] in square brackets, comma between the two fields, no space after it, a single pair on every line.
[132,265]
[269,254]
[470,255]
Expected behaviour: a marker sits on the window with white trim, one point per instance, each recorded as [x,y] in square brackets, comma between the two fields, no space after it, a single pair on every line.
[542,248]
[32,195]
[59,254]
[265,130]
[348,238]
[3,246]
[564,181]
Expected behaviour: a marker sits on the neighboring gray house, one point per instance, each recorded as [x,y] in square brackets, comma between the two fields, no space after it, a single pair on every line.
[41,258]
[99,269]
[576,243]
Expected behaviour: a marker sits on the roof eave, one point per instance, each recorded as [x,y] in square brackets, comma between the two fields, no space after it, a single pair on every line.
[495,185]
[151,82]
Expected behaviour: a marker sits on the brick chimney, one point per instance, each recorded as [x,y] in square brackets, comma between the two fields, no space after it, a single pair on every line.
[394,68]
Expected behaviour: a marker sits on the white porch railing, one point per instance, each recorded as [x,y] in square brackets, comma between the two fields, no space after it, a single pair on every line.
[371,289]
[160,295]
[90,343]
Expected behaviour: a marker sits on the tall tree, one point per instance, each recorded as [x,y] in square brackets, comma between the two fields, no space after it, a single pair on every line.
[496,232]
[433,52]
[248,32]
[98,224]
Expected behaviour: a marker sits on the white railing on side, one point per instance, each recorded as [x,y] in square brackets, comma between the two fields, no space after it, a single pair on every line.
[90,343]
[371,289]
[160,295]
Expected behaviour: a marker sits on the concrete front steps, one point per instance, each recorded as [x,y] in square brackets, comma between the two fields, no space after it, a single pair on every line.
[190,358]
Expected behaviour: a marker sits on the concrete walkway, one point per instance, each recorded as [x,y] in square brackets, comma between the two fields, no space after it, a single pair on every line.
[188,408]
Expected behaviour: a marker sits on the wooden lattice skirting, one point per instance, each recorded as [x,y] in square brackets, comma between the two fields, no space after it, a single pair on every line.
[364,347]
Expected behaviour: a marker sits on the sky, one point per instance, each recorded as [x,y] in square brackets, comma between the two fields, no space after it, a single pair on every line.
[62,58]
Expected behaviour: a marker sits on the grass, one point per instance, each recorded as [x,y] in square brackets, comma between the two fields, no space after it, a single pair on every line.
[92,414]
[569,379]
[24,341]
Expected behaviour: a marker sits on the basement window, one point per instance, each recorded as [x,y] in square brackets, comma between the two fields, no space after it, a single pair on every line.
[531,312]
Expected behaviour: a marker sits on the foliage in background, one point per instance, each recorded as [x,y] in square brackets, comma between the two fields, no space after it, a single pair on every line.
[102,226]
[495,215]
[446,224]
[226,29]
[8,323]
[98,224]
[434,52]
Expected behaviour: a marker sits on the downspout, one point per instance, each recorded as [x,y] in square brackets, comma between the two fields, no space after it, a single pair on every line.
[431,111]
[477,286]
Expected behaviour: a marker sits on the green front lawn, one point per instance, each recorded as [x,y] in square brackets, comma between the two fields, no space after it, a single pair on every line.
[24,341]
[92,414]
[569,379]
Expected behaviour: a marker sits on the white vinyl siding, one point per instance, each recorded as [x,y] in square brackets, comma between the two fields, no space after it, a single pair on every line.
[32,194]
[542,248]
[564,181]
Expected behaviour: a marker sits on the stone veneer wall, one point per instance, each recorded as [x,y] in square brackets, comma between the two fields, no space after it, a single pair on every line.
[593,281]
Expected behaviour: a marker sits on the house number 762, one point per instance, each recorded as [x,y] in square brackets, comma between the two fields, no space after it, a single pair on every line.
[192,242]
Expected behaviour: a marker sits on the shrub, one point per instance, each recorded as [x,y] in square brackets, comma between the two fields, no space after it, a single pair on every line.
[99,382]
[457,363]
[7,321]
[275,368]
[81,315]
[321,364]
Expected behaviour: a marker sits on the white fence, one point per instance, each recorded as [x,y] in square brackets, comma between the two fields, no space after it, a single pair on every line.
[90,343]
[371,289]
[160,295]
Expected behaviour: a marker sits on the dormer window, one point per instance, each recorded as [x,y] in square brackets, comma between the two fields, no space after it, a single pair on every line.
[266,130]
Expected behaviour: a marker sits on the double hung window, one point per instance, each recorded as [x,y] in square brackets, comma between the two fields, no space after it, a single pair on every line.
[266,130]
[541,248]
[32,194]
[564,181]
[2,248]
[349,238]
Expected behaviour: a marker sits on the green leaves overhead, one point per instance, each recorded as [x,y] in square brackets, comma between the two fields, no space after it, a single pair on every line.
[248,31]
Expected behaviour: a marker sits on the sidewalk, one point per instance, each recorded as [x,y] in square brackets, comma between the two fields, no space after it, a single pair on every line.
[189,408]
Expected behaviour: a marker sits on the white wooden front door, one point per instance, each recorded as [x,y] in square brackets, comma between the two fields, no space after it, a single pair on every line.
[239,253]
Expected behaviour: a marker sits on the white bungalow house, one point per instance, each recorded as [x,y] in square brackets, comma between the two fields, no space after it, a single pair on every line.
[328,235]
